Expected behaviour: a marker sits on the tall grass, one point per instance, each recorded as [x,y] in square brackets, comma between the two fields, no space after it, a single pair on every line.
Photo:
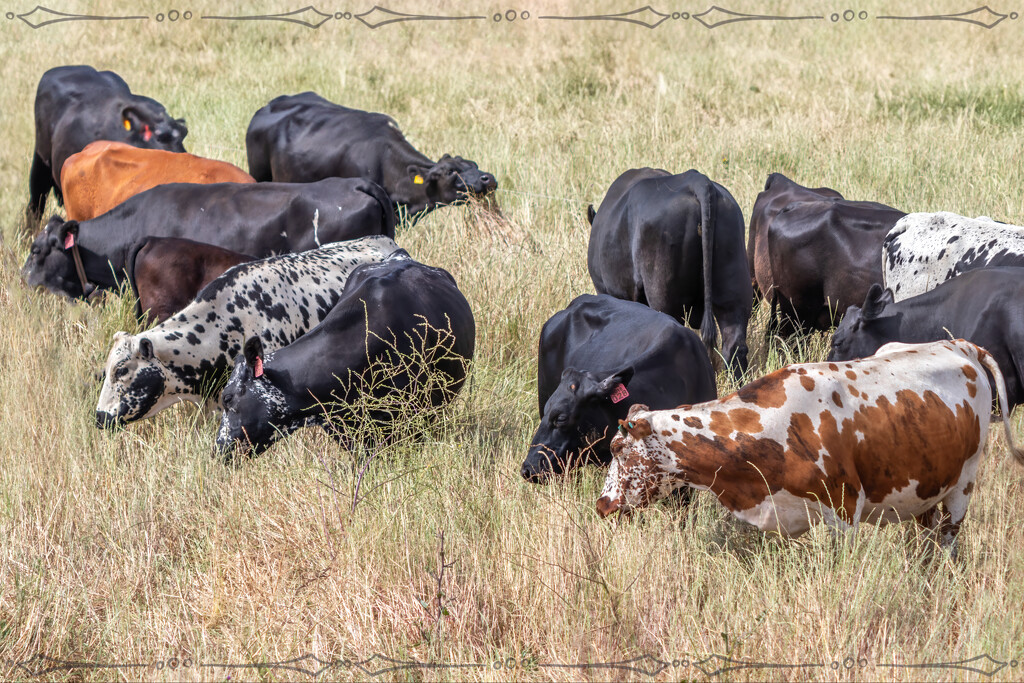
[138,546]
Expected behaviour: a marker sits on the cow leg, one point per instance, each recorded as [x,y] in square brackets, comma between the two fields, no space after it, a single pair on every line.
[40,182]
[733,324]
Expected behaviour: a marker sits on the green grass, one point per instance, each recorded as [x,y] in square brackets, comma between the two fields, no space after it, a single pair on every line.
[138,546]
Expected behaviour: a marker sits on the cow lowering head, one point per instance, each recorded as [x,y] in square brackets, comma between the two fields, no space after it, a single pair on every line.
[640,473]
[133,382]
[50,263]
[451,180]
[863,330]
[256,412]
[148,125]
[578,415]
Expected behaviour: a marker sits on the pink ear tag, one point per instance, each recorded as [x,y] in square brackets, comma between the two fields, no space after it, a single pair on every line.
[147,133]
[69,240]
[257,371]
[619,393]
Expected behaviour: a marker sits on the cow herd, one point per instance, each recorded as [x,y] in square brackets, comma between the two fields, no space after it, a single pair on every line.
[277,292]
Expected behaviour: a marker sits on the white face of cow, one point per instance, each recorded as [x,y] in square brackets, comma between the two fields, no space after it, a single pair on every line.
[637,476]
[133,382]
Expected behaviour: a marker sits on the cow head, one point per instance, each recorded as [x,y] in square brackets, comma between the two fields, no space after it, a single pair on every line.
[637,475]
[50,263]
[863,330]
[256,411]
[576,419]
[452,180]
[147,125]
[133,383]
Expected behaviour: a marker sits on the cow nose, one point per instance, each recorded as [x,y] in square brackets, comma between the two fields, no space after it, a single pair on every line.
[106,420]
[488,182]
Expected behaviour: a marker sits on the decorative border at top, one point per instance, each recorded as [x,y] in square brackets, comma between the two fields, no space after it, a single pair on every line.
[646,17]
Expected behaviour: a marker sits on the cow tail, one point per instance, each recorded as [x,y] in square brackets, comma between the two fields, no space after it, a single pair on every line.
[997,376]
[706,198]
[387,208]
[129,272]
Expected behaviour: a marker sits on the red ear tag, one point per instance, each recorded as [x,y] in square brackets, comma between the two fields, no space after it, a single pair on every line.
[147,133]
[619,393]
[69,240]
[257,371]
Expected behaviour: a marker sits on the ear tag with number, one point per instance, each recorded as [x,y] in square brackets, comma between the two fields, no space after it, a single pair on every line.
[147,134]
[619,393]
[69,240]
[257,370]
[418,179]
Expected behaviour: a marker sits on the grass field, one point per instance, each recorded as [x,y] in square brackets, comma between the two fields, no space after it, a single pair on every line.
[139,549]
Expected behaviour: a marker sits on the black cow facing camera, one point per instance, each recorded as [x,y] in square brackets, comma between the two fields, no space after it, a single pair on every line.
[598,357]
[675,243]
[303,138]
[76,105]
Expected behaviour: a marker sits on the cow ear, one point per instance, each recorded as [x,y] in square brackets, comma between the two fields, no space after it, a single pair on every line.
[67,234]
[253,352]
[183,127]
[611,383]
[876,301]
[417,173]
[130,120]
[145,348]
[591,213]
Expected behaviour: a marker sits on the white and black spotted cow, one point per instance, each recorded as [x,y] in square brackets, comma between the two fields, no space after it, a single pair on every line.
[923,250]
[187,357]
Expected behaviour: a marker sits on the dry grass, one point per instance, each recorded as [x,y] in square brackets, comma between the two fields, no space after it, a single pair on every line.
[137,546]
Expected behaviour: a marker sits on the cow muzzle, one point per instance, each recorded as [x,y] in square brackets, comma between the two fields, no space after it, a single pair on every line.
[606,506]
[105,420]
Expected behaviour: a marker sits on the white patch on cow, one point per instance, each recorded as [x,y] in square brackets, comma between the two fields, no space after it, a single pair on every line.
[784,513]
[923,250]
[316,227]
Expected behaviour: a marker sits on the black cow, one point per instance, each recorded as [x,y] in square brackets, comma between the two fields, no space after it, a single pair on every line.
[813,252]
[983,306]
[598,357]
[302,138]
[259,219]
[675,242]
[76,105]
[407,320]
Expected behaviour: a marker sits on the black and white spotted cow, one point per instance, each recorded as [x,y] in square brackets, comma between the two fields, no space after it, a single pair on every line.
[923,250]
[188,356]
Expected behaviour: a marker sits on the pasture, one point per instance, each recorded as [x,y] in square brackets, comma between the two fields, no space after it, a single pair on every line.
[138,548]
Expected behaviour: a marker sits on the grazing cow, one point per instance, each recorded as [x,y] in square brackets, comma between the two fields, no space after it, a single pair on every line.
[878,440]
[76,105]
[984,306]
[167,273]
[407,321]
[675,242]
[105,173]
[302,138]
[187,357]
[924,250]
[594,355]
[814,253]
[258,219]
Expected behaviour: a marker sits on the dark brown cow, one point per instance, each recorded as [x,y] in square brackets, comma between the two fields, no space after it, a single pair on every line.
[168,273]
[880,440]
[813,253]
[106,173]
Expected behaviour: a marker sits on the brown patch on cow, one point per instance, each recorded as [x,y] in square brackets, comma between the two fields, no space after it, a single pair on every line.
[972,389]
[808,383]
[692,422]
[665,432]
[851,374]
[970,372]
[801,371]
[746,420]
[767,392]
[638,428]
[853,392]
[721,424]
[837,399]
[833,367]
[675,417]
[968,488]
[917,437]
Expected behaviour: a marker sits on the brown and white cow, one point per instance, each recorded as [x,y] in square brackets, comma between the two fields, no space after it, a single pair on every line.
[877,440]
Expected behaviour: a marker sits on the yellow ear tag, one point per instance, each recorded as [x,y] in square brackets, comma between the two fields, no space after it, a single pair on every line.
[418,179]
[127,124]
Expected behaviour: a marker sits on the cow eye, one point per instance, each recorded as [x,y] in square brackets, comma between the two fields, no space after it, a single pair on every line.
[120,373]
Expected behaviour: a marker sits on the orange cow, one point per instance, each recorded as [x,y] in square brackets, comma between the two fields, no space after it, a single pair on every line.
[106,173]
